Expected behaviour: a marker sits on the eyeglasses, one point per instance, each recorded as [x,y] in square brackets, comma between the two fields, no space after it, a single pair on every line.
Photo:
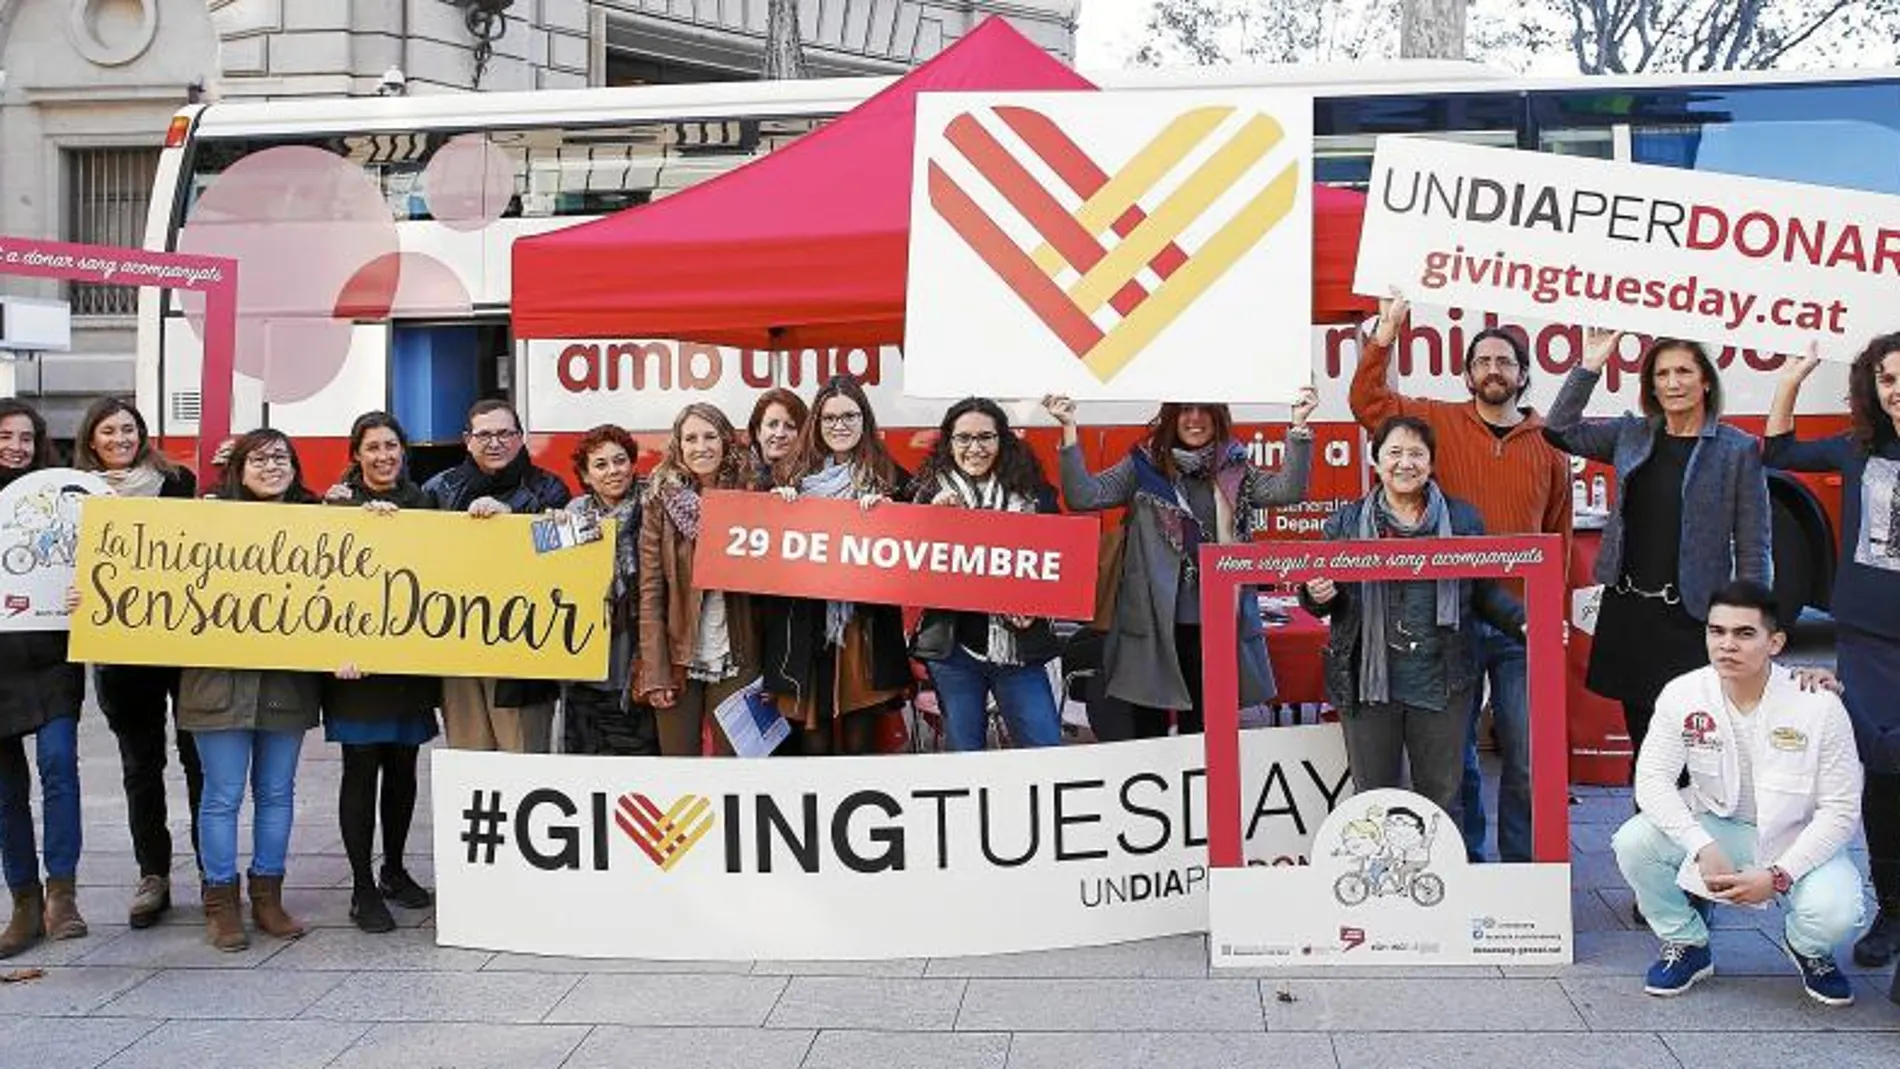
[986,439]
[1499,362]
[267,460]
[493,437]
[842,419]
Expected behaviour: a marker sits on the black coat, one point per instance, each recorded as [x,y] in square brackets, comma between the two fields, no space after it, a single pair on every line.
[37,684]
[382,697]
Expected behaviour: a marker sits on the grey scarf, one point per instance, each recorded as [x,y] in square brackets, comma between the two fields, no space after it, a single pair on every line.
[835,481]
[1374,684]
[989,494]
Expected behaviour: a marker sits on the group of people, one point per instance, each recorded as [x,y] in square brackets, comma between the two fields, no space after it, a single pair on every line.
[1409,668]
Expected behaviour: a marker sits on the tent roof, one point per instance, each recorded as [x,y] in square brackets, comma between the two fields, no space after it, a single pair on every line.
[805,247]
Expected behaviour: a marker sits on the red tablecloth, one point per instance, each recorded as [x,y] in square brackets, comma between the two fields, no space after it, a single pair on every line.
[1294,649]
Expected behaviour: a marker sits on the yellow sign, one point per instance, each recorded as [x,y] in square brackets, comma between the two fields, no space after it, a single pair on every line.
[225,584]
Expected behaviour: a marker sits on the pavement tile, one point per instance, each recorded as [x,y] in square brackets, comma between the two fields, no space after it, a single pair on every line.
[895,967]
[71,991]
[486,998]
[1111,1006]
[910,1050]
[1712,1050]
[67,1042]
[222,995]
[537,963]
[50,952]
[1230,1050]
[464,1046]
[1418,1006]
[868,1002]
[350,949]
[669,1000]
[1472,1050]
[616,1047]
[1738,952]
[1731,1004]
[1173,956]
[240,1045]
[178,946]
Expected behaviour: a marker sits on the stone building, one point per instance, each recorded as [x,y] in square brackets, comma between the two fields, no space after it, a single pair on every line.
[87,88]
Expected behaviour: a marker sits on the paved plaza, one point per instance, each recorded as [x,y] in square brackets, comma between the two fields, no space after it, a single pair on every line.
[339,998]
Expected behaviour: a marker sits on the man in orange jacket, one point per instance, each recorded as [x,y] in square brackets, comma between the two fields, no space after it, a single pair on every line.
[1491,453]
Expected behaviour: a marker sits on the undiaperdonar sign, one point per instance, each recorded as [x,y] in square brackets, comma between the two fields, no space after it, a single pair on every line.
[229,585]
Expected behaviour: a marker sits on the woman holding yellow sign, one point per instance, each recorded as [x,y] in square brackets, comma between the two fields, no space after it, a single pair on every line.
[380,721]
[249,726]
[606,718]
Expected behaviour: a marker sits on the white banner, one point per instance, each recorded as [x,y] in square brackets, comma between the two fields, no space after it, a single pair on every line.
[39,534]
[1688,254]
[848,858]
[1389,885]
[1110,245]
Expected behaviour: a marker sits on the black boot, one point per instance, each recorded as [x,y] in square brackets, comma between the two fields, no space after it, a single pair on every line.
[1877,947]
[370,913]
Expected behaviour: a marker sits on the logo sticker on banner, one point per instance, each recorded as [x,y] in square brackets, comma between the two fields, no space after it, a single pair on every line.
[1389,885]
[39,541]
[873,857]
[1104,245]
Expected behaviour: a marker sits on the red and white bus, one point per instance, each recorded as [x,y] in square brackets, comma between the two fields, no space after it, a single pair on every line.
[576,155]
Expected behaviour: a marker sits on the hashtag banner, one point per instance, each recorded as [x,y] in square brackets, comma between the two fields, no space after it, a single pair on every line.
[1114,224]
[664,836]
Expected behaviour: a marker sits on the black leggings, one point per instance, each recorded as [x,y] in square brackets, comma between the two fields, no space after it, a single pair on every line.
[1153,723]
[1880,815]
[357,807]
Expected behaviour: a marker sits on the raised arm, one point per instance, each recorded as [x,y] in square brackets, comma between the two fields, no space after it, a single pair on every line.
[1780,448]
[1564,425]
[1083,491]
[1288,485]
[1372,397]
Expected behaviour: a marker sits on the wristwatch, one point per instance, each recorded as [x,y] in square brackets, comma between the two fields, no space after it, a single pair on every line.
[1783,882]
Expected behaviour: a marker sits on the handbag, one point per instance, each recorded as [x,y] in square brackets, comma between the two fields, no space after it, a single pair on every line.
[1111,553]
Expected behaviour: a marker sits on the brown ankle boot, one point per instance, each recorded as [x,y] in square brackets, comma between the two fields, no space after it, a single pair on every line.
[224,917]
[28,923]
[267,908]
[62,911]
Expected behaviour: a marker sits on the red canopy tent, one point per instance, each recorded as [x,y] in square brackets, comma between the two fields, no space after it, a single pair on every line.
[806,247]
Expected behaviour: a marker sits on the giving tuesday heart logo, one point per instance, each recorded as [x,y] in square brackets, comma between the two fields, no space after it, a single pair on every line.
[664,835]
[1108,259]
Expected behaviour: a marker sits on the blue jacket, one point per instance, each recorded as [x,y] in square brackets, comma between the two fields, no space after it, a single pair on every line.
[1725,534]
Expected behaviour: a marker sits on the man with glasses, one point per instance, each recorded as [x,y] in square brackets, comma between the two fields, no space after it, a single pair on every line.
[497,479]
[1492,453]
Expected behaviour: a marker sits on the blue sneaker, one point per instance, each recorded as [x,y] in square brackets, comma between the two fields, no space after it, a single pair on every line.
[1822,979]
[1678,968]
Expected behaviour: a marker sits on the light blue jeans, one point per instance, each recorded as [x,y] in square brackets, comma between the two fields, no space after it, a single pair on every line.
[1824,906]
[268,760]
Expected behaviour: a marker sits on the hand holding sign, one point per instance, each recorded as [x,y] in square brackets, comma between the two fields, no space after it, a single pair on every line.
[1796,371]
[1304,405]
[1321,590]
[1599,344]
[1393,312]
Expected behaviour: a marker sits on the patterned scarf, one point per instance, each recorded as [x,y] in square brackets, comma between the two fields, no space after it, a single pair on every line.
[989,494]
[1374,681]
[680,502]
[1233,522]
[139,480]
[839,482]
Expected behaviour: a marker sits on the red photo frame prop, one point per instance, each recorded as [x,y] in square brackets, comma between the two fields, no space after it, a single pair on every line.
[1537,560]
[213,276]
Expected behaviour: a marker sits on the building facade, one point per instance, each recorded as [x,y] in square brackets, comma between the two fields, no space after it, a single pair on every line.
[87,88]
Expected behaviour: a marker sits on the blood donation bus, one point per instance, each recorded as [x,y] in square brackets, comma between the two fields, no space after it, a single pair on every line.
[441,340]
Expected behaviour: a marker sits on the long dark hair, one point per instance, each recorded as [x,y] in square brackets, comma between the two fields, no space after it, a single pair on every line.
[1652,407]
[42,445]
[875,466]
[85,458]
[1870,427]
[232,487]
[1164,433]
[1016,465]
[359,430]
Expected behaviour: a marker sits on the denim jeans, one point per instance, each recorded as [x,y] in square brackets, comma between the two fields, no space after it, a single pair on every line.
[1824,906]
[57,747]
[1028,703]
[1502,661]
[268,759]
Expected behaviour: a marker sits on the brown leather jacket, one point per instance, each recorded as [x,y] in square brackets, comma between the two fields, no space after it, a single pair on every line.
[669,609]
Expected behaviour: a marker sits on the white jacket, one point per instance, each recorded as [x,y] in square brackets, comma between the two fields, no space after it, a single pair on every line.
[1807,781]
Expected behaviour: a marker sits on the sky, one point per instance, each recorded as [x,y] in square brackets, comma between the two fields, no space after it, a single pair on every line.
[1108,30]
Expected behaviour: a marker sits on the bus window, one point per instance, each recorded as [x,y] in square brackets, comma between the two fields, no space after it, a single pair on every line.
[1346,128]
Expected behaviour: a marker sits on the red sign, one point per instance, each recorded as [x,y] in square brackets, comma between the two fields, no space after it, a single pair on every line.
[1535,559]
[923,555]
